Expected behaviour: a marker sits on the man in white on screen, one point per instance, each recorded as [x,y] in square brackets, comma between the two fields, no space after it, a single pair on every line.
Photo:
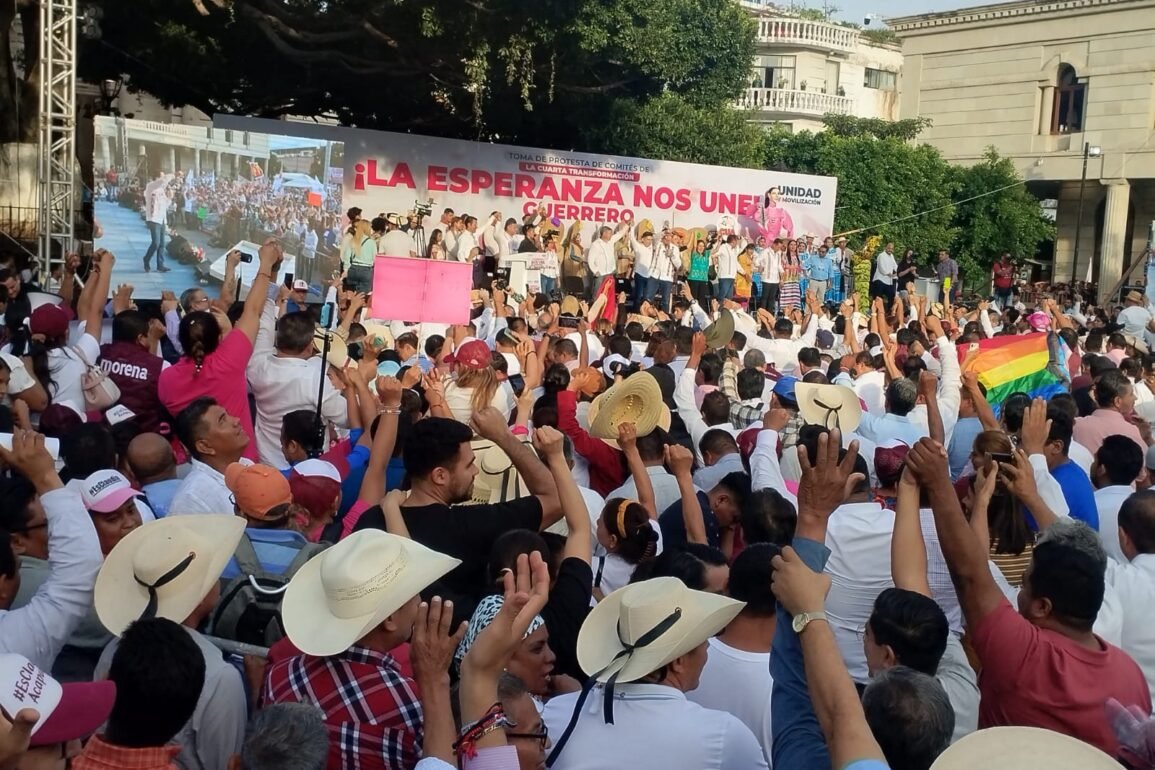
[157,201]
[395,242]
[736,678]
[466,249]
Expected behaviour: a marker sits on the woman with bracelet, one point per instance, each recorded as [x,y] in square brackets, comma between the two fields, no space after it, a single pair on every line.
[216,354]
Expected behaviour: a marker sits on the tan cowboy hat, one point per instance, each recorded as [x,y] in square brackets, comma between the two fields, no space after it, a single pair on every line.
[344,592]
[1137,343]
[570,305]
[719,333]
[1134,296]
[832,406]
[338,350]
[380,331]
[182,557]
[641,627]
[637,399]
[1021,748]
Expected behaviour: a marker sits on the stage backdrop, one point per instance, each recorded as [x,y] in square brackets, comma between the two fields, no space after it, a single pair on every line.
[389,173]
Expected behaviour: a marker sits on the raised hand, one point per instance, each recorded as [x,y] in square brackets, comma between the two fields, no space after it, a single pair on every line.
[799,588]
[628,436]
[29,457]
[432,647]
[1036,428]
[389,392]
[828,481]
[927,460]
[489,423]
[548,442]
[526,592]
[679,460]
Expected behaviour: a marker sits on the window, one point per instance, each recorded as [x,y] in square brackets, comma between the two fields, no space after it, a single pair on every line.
[883,80]
[1070,101]
[777,71]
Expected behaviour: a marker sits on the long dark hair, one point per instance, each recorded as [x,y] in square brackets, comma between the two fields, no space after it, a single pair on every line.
[200,334]
[629,522]
[1008,522]
[23,346]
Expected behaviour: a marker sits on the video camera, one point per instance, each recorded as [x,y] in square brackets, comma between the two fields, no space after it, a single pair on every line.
[423,209]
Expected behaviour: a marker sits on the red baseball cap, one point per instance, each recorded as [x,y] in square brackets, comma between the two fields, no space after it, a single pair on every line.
[49,320]
[473,355]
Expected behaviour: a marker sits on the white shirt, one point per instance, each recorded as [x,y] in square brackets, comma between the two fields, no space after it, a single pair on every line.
[858,536]
[773,266]
[39,629]
[692,416]
[594,504]
[880,429]
[284,385]
[1109,500]
[727,258]
[962,687]
[459,400]
[885,268]
[596,348]
[738,682]
[203,491]
[496,241]
[655,728]
[1081,456]
[784,353]
[68,368]
[871,388]
[1134,319]
[464,246]
[611,571]
[643,256]
[158,203]
[19,380]
[1134,585]
[949,392]
[667,263]
[396,243]
[600,255]
[710,476]
[665,485]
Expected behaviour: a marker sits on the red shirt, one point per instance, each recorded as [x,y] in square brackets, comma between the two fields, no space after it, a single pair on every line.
[1034,677]
[222,377]
[606,472]
[1004,275]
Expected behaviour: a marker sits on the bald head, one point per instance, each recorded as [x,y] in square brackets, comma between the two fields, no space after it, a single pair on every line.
[151,459]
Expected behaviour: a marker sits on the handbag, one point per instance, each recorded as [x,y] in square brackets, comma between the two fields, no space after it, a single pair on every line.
[100,392]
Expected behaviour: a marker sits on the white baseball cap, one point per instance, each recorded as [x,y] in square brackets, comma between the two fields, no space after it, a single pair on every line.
[105,491]
[300,285]
[66,711]
[316,467]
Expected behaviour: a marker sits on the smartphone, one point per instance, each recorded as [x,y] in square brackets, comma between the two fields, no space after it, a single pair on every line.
[51,444]
[246,257]
[568,322]
[288,280]
[1003,457]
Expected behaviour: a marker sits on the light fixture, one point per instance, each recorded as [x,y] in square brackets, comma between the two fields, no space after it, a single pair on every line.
[1094,151]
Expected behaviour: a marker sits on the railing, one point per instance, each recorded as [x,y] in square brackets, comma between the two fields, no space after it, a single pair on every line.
[816,34]
[813,103]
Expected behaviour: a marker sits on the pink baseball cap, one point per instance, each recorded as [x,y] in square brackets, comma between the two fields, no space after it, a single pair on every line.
[67,711]
[1039,321]
[105,491]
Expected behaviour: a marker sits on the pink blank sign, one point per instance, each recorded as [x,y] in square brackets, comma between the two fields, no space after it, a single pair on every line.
[421,290]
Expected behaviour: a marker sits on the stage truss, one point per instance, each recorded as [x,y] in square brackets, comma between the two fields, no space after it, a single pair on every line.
[57,136]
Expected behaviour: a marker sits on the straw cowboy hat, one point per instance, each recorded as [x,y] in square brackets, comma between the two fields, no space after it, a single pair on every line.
[641,627]
[1136,297]
[1022,748]
[344,592]
[380,332]
[719,333]
[570,305]
[165,568]
[637,399]
[832,406]
[338,350]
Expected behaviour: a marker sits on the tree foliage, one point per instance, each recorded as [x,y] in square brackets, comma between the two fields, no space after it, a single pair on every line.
[850,126]
[1008,220]
[909,194]
[474,69]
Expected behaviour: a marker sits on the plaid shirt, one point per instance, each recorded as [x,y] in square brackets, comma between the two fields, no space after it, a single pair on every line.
[99,755]
[371,710]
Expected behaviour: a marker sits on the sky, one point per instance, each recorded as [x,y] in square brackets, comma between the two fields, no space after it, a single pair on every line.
[855,10]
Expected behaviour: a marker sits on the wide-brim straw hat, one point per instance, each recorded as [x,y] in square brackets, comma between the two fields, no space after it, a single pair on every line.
[641,627]
[338,350]
[381,332]
[831,406]
[637,400]
[719,333]
[570,305]
[344,592]
[1022,748]
[182,557]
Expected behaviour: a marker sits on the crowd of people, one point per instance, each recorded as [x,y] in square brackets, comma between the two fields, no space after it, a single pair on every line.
[791,532]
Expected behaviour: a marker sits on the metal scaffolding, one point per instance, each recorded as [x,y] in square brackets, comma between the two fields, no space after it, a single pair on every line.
[57,137]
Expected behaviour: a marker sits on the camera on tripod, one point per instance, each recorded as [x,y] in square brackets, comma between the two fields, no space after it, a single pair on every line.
[423,209]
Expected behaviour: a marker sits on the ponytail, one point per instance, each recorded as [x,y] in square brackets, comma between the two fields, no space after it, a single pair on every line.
[629,522]
[200,334]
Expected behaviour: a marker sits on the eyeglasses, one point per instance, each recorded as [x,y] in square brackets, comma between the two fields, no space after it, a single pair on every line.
[542,737]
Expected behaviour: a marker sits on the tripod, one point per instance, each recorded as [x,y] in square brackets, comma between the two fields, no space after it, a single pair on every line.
[418,236]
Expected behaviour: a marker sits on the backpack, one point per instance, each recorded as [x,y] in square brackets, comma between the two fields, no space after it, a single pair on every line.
[249,610]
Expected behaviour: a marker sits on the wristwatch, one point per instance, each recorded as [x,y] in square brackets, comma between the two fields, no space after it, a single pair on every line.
[803,619]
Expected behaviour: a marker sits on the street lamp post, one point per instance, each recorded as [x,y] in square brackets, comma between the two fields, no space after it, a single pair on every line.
[1089,151]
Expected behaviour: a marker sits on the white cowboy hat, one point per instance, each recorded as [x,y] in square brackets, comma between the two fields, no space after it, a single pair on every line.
[381,331]
[338,349]
[831,406]
[637,399]
[344,592]
[1022,748]
[180,557]
[641,627]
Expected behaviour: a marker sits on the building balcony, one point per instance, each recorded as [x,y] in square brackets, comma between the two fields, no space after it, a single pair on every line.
[789,102]
[787,31]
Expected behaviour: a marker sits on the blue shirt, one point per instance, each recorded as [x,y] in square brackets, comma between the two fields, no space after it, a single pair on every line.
[276,549]
[159,495]
[798,743]
[1079,493]
[673,526]
[820,268]
[962,441]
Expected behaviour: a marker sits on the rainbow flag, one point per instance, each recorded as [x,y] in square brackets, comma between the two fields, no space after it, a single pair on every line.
[1027,363]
